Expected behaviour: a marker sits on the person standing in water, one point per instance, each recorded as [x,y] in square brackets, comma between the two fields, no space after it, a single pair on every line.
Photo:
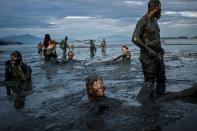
[17,79]
[49,49]
[64,46]
[147,37]
[92,49]
[103,46]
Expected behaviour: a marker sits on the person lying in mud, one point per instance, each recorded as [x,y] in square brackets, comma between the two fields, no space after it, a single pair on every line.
[17,79]
[94,88]
[49,49]
[126,56]
[95,91]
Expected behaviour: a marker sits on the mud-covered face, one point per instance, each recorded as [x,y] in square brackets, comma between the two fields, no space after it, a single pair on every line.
[124,50]
[97,88]
[70,56]
[158,11]
[15,60]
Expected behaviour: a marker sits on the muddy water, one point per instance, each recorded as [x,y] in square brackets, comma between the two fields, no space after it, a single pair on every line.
[58,101]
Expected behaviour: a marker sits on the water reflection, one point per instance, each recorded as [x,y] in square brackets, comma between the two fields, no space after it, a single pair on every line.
[18,91]
[103,51]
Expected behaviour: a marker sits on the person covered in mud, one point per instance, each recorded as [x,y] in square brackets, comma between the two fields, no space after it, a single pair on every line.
[39,47]
[70,55]
[126,55]
[147,37]
[49,49]
[71,61]
[95,91]
[98,102]
[64,46]
[103,47]
[103,44]
[92,48]
[94,88]
[17,79]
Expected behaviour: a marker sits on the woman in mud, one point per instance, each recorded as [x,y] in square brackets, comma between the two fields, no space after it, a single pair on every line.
[125,56]
[49,49]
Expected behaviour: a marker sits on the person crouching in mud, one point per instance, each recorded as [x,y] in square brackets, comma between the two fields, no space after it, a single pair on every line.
[17,79]
[126,56]
[49,49]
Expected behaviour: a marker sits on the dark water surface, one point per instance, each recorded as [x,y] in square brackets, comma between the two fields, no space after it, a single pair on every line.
[58,101]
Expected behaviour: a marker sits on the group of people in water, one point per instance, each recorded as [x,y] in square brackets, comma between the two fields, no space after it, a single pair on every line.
[48,49]
[18,74]
[146,36]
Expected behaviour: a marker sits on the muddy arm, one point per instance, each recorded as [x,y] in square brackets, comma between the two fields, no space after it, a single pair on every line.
[136,38]
[186,93]
[120,56]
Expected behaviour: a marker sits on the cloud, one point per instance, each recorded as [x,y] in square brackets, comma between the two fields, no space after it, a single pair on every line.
[92,26]
[184,13]
[133,3]
[78,17]
[83,18]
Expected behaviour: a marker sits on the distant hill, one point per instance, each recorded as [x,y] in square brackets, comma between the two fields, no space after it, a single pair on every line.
[194,37]
[178,37]
[26,39]
[117,38]
[2,42]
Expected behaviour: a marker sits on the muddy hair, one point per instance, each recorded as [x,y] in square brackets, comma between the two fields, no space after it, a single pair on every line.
[89,83]
[152,4]
[47,38]
[124,46]
[17,54]
[71,52]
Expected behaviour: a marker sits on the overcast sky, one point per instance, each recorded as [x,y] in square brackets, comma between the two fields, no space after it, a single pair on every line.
[92,18]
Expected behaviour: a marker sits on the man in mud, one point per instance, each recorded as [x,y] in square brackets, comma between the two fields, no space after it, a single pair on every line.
[92,48]
[64,46]
[94,88]
[126,56]
[147,37]
[17,78]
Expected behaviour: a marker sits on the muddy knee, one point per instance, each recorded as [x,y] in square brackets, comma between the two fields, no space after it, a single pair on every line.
[146,93]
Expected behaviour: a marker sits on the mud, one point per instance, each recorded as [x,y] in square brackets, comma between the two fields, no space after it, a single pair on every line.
[58,101]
